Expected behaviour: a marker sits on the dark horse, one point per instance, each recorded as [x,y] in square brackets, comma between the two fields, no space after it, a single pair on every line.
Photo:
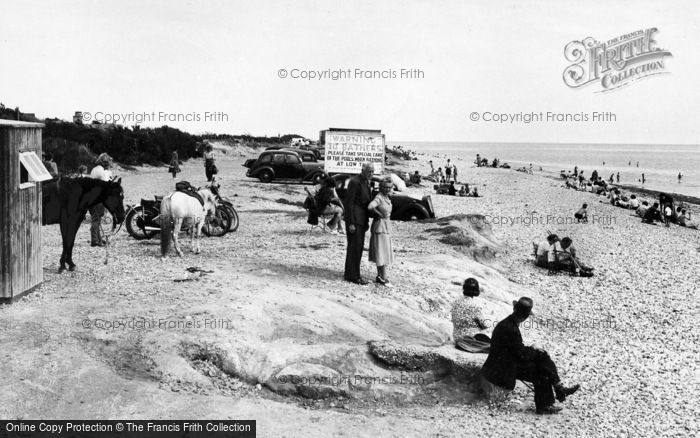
[66,201]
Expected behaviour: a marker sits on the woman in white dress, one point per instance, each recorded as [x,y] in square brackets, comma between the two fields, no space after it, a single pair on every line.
[381,251]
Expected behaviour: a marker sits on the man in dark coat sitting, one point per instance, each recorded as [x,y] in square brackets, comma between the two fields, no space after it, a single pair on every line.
[509,360]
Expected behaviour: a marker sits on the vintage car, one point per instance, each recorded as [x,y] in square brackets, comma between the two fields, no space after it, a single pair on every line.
[404,206]
[307,156]
[283,165]
[317,152]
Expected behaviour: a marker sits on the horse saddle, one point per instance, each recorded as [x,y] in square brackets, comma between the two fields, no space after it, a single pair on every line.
[187,188]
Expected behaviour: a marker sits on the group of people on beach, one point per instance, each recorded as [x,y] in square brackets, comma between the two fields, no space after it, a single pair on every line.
[662,211]
[557,254]
[403,153]
[450,173]
[356,209]
[484,162]
[447,181]
[508,358]
[451,190]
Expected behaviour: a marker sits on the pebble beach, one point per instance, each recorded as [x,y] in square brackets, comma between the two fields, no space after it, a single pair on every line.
[628,335]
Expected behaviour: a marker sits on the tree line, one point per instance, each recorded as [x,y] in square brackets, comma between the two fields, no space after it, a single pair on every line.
[75,144]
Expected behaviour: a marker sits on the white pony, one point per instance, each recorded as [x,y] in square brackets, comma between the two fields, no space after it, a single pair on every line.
[179,207]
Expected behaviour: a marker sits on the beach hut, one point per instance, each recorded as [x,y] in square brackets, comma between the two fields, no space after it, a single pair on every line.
[21,173]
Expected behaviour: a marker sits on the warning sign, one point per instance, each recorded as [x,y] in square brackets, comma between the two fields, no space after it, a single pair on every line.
[347,150]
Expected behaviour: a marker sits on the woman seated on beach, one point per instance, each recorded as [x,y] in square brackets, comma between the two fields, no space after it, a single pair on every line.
[614,196]
[634,202]
[680,216]
[475,193]
[684,220]
[328,203]
[467,320]
[464,191]
[642,209]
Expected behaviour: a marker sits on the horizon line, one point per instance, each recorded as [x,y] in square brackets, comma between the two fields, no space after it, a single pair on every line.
[546,142]
[204,133]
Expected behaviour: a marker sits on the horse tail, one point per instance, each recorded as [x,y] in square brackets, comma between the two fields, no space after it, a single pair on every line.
[166,226]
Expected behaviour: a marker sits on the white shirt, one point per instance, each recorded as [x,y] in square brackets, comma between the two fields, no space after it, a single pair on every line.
[99,172]
[542,248]
[552,251]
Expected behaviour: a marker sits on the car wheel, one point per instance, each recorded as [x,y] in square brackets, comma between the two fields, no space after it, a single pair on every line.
[266,176]
[414,215]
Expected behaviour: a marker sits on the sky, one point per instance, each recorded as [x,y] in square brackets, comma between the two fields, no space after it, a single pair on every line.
[184,59]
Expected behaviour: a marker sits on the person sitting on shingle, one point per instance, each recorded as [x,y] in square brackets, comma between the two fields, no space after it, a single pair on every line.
[509,360]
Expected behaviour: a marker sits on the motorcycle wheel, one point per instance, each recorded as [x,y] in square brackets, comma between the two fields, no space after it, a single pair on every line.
[135,223]
[219,224]
[234,217]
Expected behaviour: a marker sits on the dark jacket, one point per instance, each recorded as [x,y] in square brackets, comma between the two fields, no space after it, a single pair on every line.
[323,198]
[652,214]
[507,350]
[357,198]
[310,205]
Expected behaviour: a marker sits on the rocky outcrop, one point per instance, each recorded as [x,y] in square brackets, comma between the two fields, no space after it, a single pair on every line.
[398,345]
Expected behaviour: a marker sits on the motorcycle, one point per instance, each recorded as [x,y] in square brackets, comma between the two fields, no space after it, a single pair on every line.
[143,220]
[226,204]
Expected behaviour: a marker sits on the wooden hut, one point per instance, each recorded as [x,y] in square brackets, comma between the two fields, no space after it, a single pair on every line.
[21,173]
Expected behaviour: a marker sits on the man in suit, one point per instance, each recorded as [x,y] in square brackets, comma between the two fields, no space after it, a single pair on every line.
[509,360]
[357,198]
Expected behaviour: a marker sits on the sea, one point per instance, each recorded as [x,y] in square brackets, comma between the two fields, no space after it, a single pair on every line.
[660,164]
